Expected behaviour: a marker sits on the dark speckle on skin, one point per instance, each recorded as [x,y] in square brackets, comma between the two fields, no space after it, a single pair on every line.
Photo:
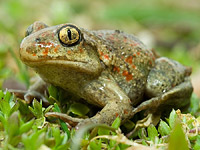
[37,40]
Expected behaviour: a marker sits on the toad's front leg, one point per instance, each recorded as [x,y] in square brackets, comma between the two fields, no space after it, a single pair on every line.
[106,93]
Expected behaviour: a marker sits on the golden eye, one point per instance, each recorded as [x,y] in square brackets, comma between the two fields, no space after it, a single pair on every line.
[69,35]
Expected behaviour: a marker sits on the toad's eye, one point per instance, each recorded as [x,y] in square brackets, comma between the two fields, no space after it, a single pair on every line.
[69,35]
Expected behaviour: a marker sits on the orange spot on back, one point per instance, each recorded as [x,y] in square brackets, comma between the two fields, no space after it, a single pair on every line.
[138,53]
[68,52]
[116,114]
[131,45]
[129,59]
[133,66]
[150,62]
[116,69]
[34,54]
[125,73]
[106,56]
[56,50]
[129,77]
[46,50]
[39,28]
[100,52]
[81,50]
[125,111]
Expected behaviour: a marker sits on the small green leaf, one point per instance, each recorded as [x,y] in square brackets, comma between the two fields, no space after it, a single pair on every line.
[144,142]
[142,133]
[103,131]
[65,128]
[116,123]
[152,132]
[129,125]
[5,104]
[1,95]
[50,107]
[7,96]
[65,138]
[37,109]
[177,139]
[57,136]
[197,143]
[95,145]
[56,108]
[112,144]
[123,146]
[194,104]
[26,126]
[39,123]
[35,140]
[3,120]
[53,91]
[172,118]
[13,125]
[62,123]
[79,109]
[84,143]
[23,108]
[14,108]
[163,128]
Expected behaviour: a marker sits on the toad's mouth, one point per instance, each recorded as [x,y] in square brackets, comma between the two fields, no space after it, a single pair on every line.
[78,65]
[62,62]
[39,62]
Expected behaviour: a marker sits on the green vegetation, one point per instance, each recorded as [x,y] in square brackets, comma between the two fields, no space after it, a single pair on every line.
[26,127]
[172,28]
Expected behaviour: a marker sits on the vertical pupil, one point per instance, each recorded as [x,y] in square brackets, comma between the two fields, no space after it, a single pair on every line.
[69,34]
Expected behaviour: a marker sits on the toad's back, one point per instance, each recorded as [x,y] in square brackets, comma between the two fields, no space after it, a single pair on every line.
[131,63]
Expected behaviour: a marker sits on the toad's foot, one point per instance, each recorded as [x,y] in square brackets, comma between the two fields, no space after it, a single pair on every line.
[177,97]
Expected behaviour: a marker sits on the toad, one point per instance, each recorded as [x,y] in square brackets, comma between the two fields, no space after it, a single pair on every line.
[107,68]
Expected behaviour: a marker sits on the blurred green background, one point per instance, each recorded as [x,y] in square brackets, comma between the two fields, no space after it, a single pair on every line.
[171,27]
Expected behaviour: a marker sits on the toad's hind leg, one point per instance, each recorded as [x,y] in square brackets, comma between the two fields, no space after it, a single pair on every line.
[165,75]
[177,97]
[168,86]
[169,80]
